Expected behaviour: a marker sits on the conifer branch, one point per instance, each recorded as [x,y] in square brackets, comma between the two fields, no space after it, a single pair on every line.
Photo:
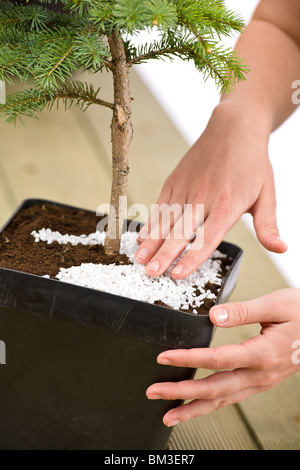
[211,60]
[29,102]
[82,94]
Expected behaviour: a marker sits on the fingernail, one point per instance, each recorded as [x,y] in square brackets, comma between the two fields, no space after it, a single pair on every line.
[164,361]
[154,266]
[154,396]
[173,423]
[221,315]
[178,269]
[142,254]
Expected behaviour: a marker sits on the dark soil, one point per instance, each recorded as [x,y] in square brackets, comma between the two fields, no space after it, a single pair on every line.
[19,251]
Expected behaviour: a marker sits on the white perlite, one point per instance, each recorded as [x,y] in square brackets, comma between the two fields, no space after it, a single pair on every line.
[131,280]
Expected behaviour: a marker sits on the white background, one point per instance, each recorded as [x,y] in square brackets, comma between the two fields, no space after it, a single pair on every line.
[189,102]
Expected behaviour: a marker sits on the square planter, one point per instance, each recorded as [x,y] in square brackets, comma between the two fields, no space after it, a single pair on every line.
[79,361]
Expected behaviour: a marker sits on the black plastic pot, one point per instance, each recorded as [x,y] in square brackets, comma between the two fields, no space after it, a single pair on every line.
[79,362]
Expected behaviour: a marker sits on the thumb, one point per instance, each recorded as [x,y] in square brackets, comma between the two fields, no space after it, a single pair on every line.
[265,222]
[266,309]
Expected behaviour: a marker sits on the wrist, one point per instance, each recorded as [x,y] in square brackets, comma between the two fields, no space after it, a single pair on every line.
[241,113]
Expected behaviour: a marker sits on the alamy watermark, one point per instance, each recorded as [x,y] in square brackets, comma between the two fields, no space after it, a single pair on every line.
[296,354]
[296,93]
[2,352]
[175,221]
[2,92]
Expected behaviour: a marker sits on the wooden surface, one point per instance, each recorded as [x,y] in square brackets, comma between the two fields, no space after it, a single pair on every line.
[65,157]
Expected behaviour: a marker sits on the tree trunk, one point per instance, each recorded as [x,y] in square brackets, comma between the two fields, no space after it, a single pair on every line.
[121,134]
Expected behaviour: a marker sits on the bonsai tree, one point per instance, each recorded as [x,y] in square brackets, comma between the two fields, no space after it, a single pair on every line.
[44,44]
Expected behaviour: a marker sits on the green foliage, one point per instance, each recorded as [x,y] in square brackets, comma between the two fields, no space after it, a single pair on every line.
[29,102]
[44,48]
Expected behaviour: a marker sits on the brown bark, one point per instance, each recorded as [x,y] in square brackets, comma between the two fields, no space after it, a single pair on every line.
[121,134]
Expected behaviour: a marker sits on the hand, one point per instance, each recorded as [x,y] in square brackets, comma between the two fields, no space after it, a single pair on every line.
[253,366]
[227,170]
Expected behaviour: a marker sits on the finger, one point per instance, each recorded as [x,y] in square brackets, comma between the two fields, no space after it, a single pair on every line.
[210,388]
[210,235]
[160,225]
[265,309]
[197,408]
[164,257]
[219,358]
[265,222]
[257,380]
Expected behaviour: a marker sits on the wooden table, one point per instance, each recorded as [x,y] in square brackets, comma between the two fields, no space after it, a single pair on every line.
[66,157]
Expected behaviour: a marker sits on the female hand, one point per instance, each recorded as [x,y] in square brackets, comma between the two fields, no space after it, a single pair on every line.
[253,366]
[228,171]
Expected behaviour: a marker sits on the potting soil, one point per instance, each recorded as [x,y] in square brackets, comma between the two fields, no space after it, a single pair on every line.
[51,241]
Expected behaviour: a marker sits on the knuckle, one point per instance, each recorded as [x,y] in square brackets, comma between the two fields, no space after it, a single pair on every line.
[211,394]
[189,412]
[190,263]
[177,391]
[222,403]
[270,361]
[172,396]
[225,206]
[187,358]
[241,313]
[193,409]
[189,259]
[267,379]
[266,363]
[184,361]
[271,378]
[208,239]
[269,225]
[201,193]
[193,217]
[215,361]
[222,211]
